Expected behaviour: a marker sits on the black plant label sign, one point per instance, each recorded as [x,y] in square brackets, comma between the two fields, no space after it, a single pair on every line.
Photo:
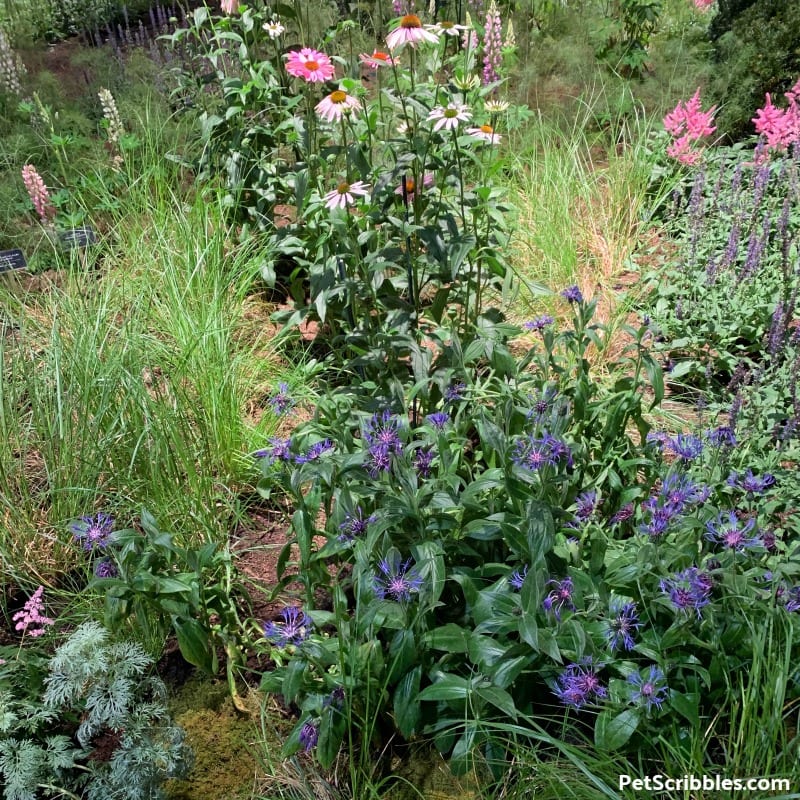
[12,259]
[77,237]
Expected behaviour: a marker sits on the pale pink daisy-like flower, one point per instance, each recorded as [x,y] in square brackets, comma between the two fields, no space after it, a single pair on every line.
[336,104]
[229,6]
[485,133]
[274,28]
[377,59]
[410,31]
[310,65]
[446,28]
[345,194]
[449,116]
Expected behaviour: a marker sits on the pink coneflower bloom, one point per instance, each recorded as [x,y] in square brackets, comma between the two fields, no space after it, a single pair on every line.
[409,31]
[345,194]
[336,104]
[449,116]
[310,65]
[377,59]
[485,133]
[408,185]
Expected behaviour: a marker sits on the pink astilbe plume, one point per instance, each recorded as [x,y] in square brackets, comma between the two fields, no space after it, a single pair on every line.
[30,619]
[38,193]
[687,123]
[780,127]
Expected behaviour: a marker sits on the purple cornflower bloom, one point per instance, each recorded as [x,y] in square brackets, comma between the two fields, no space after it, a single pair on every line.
[559,597]
[626,512]
[751,484]
[723,436]
[422,462]
[31,615]
[560,450]
[279,450]
[355,525]
[650,692]
[657,437]
[678,491]
[281,402]
[658,522]
[398,580]
[586,505]
[438,419]
[539,323]
[572,294]
[793,598]
[309,734]
[315,452]
[685,446]
[689,590]
[455,392]
[544,404]
[534,453]
[93,532]
[621,625]
[729,531]
[379,460]
[579,684]
[383,430]
[335,699]
[295,628]
[516,579]
[105,568]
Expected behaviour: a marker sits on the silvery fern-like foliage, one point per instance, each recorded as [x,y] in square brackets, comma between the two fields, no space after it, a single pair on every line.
[21,765]
[104,684]
[99,676]
[82,658]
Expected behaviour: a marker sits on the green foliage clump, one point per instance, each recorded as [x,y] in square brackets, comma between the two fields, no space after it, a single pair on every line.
[624,37]
[757,50]
[90,719]
[713,303]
